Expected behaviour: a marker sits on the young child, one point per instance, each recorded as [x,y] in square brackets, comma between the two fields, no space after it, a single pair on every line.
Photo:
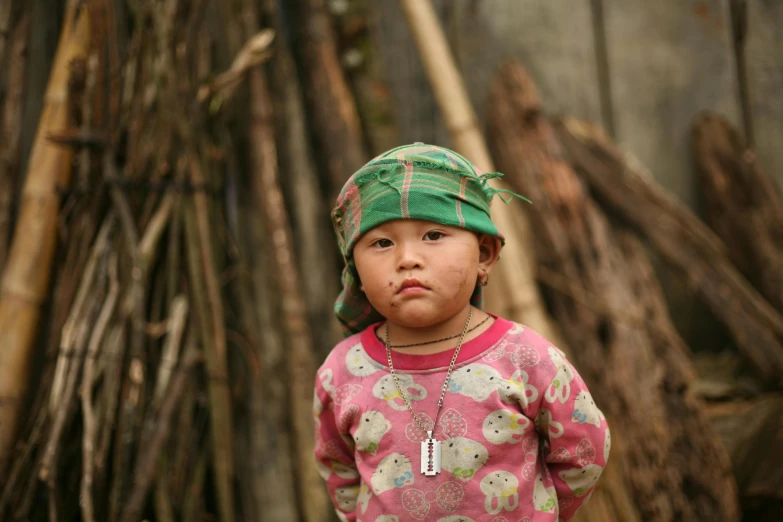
[432,409]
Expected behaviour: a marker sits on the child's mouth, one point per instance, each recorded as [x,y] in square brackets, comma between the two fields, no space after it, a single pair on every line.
[412,287]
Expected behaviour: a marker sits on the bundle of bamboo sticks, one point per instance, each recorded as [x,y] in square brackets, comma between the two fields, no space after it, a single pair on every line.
[152,308]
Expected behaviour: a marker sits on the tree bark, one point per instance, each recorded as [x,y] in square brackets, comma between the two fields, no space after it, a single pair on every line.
[621,185]
[609,303]
[743,205]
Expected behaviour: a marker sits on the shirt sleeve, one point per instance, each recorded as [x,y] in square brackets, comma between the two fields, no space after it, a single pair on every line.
[575,435]
[335,457]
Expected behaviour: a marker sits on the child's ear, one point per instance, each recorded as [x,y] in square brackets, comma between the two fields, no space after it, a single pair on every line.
[489,251]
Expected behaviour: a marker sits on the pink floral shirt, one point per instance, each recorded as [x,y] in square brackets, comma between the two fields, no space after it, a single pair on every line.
[522,439]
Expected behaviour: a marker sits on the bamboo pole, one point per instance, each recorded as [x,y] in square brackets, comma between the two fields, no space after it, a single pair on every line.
[25,279]
[515,285]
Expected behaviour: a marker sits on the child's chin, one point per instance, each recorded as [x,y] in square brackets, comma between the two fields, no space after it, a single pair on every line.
[412,316]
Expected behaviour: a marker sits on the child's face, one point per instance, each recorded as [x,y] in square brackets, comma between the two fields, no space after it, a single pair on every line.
[419,273]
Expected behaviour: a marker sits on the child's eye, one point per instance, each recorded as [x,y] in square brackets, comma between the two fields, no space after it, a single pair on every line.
[382,243]
[433,235]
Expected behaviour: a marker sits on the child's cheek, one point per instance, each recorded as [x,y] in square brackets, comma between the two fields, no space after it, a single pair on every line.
[457,277]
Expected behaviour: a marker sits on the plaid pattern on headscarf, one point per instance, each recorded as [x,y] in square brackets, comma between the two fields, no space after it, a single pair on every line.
[410,182]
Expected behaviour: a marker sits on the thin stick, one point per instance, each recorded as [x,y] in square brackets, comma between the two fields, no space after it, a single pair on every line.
[24,457]
[145,468]
[48,471]
[72,347]
[90,424]
[164,511]
[115,351]
[195,494]
[10,125]
[68,337]
[178,313]
[219,397]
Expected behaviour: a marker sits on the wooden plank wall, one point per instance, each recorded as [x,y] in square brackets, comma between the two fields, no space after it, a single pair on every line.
[764,74]
[553,38]
[416,113]
[668,60]
[642,69]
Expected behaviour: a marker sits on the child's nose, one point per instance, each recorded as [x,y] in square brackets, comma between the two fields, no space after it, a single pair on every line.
[408,257]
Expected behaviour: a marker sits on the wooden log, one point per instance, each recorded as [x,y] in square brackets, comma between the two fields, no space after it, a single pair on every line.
[621,185]
[365,73]
[300,366]
[742,204]
[273,466]
[25,278]
[611,306]
[311,228]
[209,306]
[334,117]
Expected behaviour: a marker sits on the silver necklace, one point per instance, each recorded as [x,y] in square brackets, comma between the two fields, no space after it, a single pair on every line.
[430,447]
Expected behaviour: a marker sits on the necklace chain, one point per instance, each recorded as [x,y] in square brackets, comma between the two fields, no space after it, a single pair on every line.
[445,383]
[487,318]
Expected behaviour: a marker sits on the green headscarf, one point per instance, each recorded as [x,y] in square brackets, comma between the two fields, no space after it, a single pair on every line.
[410,182]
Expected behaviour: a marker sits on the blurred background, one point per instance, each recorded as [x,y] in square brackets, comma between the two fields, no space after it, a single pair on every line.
[167,168]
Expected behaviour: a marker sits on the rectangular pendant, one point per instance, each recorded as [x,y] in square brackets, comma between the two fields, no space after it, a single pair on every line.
[430,456]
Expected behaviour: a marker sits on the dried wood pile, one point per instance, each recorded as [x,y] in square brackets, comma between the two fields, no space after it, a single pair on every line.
[168,270]
[592,206]
[152,312]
